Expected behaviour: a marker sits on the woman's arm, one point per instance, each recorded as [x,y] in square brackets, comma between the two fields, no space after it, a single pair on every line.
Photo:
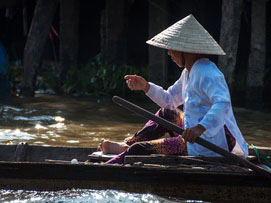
[171,98]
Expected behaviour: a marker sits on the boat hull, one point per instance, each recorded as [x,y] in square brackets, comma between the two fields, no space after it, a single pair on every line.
[178,183]
[28,167]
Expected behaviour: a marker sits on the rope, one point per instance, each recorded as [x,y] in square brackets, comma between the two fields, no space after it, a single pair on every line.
[54,31]
[53,44]
[261,158]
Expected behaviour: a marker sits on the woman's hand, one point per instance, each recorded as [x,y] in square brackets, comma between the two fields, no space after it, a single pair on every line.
[135,82]
[191,134]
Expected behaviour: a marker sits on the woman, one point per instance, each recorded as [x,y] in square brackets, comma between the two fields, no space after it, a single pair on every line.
[201,89]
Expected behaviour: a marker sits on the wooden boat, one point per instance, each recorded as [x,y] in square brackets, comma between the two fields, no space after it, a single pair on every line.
[32,167]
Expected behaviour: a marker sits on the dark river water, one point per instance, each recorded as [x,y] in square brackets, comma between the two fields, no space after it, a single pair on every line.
[56,120]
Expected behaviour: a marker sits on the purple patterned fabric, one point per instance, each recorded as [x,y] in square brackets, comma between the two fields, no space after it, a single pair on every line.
[146,141]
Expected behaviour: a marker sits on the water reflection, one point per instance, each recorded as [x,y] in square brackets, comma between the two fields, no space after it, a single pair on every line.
[53,120]
[255,125]
[10,135]
[39,126]
[82,196]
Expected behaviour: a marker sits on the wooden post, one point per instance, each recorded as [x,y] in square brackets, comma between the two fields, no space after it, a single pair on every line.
[113,32]
[256,63]
[158,59]
[25,24]
[229,36]
[41,22]
[69,35]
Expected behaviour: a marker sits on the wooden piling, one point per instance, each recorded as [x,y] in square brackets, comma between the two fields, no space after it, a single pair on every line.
[38,33]
[158,59]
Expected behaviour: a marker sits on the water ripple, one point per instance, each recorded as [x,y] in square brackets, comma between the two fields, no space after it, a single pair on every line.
[82,196]
[8,134]
[33,118]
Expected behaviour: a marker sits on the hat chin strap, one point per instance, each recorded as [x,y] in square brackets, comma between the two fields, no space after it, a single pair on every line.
[183,61]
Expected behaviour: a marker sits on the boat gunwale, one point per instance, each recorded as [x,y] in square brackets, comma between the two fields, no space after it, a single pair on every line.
[166,169]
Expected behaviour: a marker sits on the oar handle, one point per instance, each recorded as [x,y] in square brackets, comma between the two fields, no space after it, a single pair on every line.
[170,126]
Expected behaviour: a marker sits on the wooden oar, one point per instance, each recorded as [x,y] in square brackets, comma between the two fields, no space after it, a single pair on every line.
[170,126]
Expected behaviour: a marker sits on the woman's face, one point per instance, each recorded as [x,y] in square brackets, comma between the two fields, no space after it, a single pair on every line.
[176,56]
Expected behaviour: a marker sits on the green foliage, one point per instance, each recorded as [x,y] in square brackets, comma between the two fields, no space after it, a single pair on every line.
[100,79]
[78,81]
[15,74]
[47,79]
[93,78]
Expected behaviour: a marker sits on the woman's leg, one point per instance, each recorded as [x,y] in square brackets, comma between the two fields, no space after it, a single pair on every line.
[168,146]
[151,131]
[111,147]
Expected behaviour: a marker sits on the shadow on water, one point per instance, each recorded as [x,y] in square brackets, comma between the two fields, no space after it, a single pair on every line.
[57,120]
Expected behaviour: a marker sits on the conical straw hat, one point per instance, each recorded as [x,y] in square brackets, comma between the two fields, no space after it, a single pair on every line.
[187,35]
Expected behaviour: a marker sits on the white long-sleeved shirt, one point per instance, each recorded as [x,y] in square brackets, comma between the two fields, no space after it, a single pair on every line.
[205,97]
